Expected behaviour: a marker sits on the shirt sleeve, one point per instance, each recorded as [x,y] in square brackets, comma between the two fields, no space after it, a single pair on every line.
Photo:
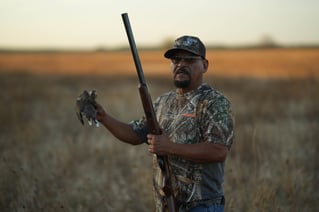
[218,124]
[140,128]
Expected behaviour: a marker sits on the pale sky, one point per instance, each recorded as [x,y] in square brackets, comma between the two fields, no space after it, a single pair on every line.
[98,23]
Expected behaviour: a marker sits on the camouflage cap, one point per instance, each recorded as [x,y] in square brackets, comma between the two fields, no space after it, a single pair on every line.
[187,43]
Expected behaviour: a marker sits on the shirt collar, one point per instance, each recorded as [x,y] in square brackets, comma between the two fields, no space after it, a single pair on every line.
[192,92]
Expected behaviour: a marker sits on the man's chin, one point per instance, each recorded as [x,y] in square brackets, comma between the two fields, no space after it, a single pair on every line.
[182,84]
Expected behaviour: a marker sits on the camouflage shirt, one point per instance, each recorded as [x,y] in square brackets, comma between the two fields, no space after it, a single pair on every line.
[201,115]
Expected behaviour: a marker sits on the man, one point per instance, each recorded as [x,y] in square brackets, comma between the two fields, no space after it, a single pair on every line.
[197,131]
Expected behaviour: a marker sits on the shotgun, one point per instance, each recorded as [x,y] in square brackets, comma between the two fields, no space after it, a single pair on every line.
[150,116]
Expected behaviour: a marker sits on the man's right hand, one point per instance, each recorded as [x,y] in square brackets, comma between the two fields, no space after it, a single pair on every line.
[101,113]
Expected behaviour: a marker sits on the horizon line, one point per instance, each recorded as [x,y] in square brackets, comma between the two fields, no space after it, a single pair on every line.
[4,49]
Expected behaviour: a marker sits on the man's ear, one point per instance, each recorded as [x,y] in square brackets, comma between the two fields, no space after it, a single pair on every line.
[205,65]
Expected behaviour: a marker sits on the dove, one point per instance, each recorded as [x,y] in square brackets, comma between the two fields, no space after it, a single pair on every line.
[85,107]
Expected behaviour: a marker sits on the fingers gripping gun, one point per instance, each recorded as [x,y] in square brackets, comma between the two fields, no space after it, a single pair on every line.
[150,117]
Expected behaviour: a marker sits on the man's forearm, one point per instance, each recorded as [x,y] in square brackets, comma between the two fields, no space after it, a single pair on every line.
[202,153]
[120,130]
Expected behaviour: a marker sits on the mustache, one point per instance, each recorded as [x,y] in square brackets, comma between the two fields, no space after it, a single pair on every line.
[181,71]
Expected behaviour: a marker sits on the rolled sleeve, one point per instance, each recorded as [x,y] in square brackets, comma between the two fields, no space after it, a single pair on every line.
[140,128]
[219,126]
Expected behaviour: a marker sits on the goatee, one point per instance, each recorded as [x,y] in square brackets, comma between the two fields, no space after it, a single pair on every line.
[182,84]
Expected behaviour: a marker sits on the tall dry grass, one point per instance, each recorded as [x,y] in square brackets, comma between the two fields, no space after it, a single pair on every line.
[269,63]
[49,162]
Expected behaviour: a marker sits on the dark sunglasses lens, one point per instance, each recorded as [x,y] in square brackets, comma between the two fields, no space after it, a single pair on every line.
[190,60]
[187,59]
[176,60]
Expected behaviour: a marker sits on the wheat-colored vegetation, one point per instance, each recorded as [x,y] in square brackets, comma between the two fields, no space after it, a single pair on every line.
[266,63]
[50,162]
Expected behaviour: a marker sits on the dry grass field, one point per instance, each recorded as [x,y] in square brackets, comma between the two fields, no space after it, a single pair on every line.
[50,162]
[256,63]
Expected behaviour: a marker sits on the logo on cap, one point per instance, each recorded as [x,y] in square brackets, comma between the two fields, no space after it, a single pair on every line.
[188,42]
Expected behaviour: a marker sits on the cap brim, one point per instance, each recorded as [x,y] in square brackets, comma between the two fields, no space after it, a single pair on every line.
[170,52]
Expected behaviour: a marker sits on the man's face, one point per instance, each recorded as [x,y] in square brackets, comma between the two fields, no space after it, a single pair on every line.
[188,70]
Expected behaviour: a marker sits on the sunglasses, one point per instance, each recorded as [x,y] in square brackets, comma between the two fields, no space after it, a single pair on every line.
[187,59]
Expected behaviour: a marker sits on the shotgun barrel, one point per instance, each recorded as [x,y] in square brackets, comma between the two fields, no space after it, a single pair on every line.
[150,116]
